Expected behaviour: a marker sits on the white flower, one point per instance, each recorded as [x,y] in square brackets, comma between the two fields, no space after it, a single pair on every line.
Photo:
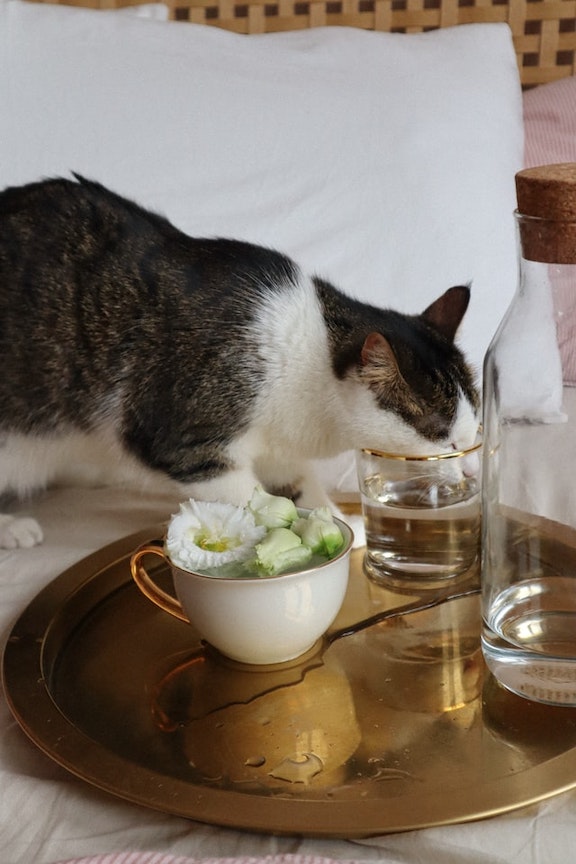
[208,534]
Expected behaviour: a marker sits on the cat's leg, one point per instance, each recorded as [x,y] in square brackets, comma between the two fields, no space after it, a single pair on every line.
[19,532]
[235,487]
[18,476]
[295,479]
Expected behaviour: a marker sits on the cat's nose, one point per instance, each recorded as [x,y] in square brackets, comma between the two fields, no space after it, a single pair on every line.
[471,465]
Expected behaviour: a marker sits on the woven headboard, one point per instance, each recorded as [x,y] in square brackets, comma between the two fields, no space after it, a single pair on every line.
[544,31]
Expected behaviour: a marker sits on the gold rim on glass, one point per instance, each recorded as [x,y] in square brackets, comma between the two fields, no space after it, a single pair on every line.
[434,457]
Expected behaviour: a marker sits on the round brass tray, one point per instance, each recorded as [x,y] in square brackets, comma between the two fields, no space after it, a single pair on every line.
[388,724]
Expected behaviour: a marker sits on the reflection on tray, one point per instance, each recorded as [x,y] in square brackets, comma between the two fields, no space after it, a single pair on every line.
[266,729]
[322,724]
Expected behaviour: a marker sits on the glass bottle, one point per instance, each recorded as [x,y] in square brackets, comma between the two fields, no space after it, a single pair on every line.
[529,471]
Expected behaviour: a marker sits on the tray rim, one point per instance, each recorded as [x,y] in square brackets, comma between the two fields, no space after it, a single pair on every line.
[38,715]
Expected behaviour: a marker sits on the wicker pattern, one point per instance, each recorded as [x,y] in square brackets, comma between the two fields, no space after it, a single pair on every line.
[544,31]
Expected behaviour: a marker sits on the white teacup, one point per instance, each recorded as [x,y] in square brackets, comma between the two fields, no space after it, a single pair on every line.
[257,620]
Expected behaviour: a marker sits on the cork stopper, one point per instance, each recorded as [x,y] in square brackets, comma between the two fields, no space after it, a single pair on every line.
[547,198]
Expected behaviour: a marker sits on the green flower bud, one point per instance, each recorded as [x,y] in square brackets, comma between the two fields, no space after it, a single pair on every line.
[280,550]
[319,532]
[272,511]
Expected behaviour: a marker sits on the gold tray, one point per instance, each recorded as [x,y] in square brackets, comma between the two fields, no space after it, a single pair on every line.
[388,724]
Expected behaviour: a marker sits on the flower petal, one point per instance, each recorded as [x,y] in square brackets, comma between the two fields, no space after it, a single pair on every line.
[206,534]
[273,511]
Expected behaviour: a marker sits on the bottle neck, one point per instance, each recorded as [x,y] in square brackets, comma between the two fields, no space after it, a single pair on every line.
[545,240]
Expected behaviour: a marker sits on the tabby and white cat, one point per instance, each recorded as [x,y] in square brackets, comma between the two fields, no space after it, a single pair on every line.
[129,349]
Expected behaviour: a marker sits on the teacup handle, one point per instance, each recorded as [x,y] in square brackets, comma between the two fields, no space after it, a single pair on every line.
[147,585]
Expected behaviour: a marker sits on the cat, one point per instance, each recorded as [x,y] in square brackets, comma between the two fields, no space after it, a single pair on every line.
[215,363]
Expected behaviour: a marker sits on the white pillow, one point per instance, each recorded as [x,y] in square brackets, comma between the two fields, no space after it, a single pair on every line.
[383,162]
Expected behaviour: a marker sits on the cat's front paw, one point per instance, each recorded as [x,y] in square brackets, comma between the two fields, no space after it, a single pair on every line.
[356,523]
[19,532]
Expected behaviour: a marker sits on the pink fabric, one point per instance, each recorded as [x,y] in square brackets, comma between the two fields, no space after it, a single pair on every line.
[550,137]
[550,123]
[131,858]
[161,858]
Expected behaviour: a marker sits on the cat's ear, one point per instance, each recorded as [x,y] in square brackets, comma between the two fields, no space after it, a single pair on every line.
[377,349]
[380,370]
[446,313]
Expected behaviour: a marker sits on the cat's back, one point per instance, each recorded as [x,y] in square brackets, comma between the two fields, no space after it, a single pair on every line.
[16,201]
[77,215]
[95,289]
[50,195]
[61,225]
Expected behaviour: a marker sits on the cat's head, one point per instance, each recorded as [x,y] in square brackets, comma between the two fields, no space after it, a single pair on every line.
[420,394]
